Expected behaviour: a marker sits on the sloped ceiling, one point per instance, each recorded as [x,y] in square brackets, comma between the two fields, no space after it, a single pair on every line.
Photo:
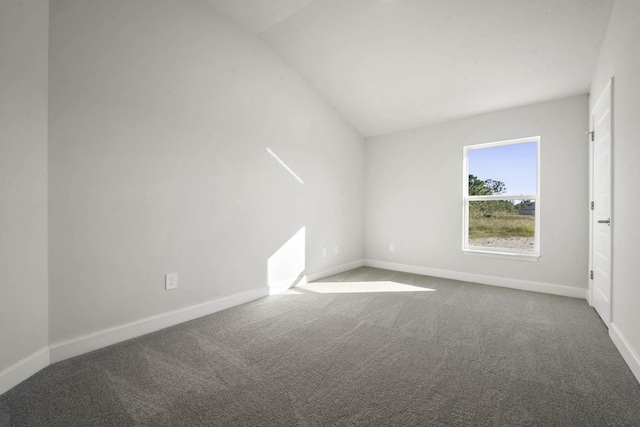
[257,16]
[390,65]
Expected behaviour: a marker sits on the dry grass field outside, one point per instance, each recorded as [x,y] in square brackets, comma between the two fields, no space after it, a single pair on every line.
[502,230]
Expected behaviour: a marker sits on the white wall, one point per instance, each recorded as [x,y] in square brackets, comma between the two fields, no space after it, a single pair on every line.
[160,116]
[620,58]
[23,187]
[414,196]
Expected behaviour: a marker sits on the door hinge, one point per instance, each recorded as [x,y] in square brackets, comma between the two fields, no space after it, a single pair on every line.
[591,275]
[592,205]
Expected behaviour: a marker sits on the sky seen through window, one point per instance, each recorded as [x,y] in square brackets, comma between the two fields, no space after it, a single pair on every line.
[513,164]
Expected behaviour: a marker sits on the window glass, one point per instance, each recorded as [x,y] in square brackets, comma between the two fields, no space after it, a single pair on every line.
[501,198]
[508,224]
[513,165]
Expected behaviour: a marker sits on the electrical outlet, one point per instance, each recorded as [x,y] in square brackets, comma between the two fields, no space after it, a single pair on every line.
[336,250]
[171,281]
[392,247]
[324,252]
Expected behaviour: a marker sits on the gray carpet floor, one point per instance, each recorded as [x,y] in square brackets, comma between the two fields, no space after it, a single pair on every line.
[399,350]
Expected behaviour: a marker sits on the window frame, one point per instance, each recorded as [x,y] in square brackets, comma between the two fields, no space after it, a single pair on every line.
[500,252]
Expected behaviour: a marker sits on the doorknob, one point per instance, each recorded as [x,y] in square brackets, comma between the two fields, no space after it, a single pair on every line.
[605,221]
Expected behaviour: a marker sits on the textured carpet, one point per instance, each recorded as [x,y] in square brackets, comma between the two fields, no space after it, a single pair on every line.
[367,347]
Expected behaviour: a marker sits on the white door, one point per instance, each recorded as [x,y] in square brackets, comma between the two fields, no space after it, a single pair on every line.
[601,214]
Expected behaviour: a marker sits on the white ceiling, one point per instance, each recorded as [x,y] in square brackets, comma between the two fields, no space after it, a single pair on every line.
[257,16]
[390,65]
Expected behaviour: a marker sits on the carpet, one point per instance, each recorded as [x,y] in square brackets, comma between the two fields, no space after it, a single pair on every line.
[366,347]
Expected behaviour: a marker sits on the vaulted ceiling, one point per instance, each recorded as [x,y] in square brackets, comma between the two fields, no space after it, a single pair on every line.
[390,65]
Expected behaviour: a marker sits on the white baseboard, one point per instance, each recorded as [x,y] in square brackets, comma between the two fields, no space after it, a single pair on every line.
[524,285]
[334,270]
[23,369]
[84,344]
[628,353]
[279,287]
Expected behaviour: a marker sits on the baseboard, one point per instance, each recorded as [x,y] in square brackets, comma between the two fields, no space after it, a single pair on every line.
[334,270]
[23,369]
[628,353]
[524,285]
[279,287]
[84,344]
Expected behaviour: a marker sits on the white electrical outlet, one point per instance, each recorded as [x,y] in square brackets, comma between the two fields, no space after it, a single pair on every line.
[336,250]
[171,281]
[324,252]
[392,247]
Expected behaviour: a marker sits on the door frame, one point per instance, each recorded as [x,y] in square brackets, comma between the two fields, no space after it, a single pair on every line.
[609,87]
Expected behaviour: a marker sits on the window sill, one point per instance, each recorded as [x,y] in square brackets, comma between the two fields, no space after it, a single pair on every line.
[503,255]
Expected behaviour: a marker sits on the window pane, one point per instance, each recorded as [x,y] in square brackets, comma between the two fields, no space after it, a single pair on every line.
[506,224]
[512,165]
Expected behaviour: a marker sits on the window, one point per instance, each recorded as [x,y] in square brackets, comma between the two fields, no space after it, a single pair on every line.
[501,194]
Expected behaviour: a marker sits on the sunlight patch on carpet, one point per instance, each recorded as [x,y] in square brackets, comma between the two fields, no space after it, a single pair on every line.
[358,287]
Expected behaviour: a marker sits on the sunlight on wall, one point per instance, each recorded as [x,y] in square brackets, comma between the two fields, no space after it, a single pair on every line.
[285,268]
[356,287]
[285,165]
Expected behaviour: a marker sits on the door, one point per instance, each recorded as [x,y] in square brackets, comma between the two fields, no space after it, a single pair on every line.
[601,172]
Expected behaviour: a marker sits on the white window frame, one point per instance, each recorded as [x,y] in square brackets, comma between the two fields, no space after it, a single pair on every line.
[518,254]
